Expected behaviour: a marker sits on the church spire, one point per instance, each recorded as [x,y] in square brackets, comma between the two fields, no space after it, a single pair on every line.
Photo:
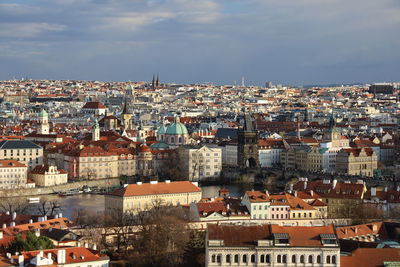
[153,82]
[157,81]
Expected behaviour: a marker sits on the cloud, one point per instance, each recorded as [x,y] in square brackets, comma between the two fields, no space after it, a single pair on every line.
[27,30]
[204,40]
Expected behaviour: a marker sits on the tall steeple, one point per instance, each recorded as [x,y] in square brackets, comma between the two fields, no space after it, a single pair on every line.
[153,82]
[44,127]
[96,131]
[157,81]
[126,117]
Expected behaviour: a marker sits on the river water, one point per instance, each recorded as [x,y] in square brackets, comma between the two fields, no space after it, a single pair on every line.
[95,203]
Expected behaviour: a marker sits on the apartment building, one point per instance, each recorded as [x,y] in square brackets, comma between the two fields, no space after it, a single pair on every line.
[26,152]
[13,174]
[357,161]
[200,162]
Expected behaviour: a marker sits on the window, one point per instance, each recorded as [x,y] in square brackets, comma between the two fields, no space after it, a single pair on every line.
[279,259]
[253,258]
[310,259]
[319,259]
[219,258]
[284,259]
[267,258]
[294,259]
[244,259]
[302,259]
[236,258]
[328,259]
[334,259]
[228,258]
[213,258]
[262,258]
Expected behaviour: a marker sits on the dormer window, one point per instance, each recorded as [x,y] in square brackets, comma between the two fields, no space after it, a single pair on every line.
[328,240]
[281,239]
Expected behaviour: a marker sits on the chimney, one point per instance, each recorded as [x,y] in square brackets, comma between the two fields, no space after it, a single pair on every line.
[37,232]
[86,245]
[291,187]
[373,191]
[139,183]
[60,215]
[61,256]
[12,224]
[267,193]
[125,185]
[7,212]
[167,181]
[305,185]
[49,255]
[45,218]
[1,235]
[41,253]
[398,188]
[195,183]
[228,206]
[153,182]
[311,193]
[21,260]
[30,221]
[374,228]
[14,216]
[4,225]
[94,247]
[386,188]
[334,183]
[295,193]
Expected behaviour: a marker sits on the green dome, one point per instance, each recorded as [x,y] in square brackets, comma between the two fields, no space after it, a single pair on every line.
[159,145]
[43,113]
[176,128]
[162,129]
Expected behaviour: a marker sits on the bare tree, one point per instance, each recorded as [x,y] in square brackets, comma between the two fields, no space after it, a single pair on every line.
[49,208]
[11,203]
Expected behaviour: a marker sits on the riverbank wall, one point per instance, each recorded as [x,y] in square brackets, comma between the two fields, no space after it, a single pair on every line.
[26,192]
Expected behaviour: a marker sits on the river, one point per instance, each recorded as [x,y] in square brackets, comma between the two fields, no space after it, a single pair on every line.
[95,203]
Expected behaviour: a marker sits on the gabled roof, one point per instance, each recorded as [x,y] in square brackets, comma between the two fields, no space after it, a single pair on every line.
[94,105]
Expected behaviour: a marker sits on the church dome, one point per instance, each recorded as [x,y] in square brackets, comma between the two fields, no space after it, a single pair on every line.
[176,128]
[162,129]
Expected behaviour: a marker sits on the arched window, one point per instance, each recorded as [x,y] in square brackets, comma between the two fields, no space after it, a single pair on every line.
[180,140]
[213,258]
[310,259]
[328,259]
[334,259]
[302,259]
[294,259]
[219,257]
[268,258]
[262,258]
[279,259]
[284,259]
[172,140]
[253,258]
[237,258]
[228,258]
[319,259]
[244,258]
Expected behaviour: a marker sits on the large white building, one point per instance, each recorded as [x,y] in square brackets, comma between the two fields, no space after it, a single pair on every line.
[23,151]
[13,174]
[200,162]
[138,197]
[272,245]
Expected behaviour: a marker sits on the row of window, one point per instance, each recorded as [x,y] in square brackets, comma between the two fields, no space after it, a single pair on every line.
[266,258]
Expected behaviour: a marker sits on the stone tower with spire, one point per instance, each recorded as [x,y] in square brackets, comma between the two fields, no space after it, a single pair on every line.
[96,131]
[126,117]
[248,145]
[332,134]
[44,127]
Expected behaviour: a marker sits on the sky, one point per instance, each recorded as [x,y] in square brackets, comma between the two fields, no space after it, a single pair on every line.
[295,42]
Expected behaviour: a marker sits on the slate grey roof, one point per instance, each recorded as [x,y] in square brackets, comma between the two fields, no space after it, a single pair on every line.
[18,144]
[224,133]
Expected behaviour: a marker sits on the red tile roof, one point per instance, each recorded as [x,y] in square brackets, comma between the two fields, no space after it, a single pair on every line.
[155,189]
[370,257]
[94,105]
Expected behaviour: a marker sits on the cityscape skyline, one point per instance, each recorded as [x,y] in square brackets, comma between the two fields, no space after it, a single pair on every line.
[187,41]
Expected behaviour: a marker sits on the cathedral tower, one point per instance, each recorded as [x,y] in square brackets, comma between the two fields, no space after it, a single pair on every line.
[44,127]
